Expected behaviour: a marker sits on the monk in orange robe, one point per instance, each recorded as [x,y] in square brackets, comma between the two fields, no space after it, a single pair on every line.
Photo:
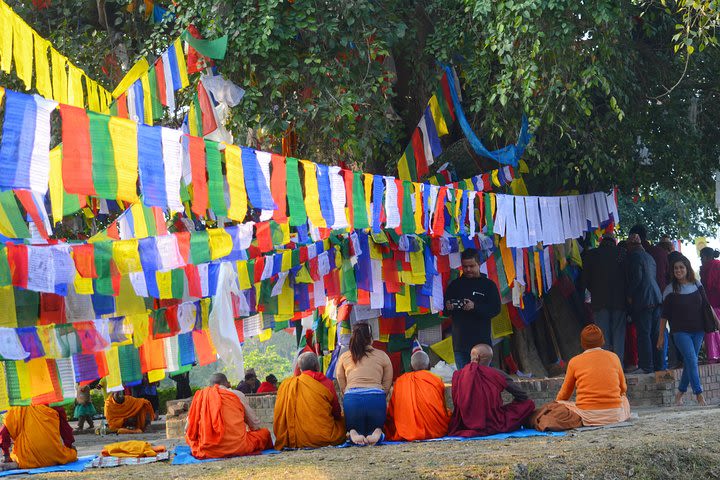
[307,410]
[222,424]
[42,437]
[128,414]
[417,409]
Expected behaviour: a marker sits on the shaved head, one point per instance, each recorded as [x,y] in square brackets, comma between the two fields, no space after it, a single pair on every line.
[308,361]
[482,354]
[219,379]
[420,361]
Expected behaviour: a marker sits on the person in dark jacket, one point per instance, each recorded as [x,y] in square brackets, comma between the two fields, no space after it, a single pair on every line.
[658,253]
[645,299]
[604,277]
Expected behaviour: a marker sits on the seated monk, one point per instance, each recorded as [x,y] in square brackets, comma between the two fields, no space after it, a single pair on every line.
[42,437]
[417,409]
[128,414]
[598,379]
[307,410]
[476,394]
[222,424]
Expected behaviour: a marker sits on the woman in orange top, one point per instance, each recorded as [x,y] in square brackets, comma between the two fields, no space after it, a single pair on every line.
[598,377]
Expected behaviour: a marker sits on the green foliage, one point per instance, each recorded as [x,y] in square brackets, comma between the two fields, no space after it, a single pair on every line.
[680,215]
[698,20]
[274,356]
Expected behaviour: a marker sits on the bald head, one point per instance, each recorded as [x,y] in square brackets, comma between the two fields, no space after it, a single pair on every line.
[420,361]
[219,379]
[308,361]
[482,354]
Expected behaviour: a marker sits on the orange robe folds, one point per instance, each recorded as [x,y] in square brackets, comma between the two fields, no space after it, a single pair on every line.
[36,432]
[303,415]
[417,408]
[118,413]
[217,428]
[132,449]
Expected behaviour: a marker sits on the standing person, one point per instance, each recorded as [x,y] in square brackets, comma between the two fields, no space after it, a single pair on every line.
[84,408]
[149,392]
[182,382]
[365,376]
[683,310]
[710,278]
[604,277]
[644,298]
[658,253]
[472,301]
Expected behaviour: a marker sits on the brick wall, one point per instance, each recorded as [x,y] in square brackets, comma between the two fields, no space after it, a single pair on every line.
[643,391]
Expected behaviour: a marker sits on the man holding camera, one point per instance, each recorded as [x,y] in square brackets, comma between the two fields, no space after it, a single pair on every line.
[471,301]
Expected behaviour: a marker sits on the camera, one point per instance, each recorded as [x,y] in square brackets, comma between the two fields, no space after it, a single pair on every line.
[456,304]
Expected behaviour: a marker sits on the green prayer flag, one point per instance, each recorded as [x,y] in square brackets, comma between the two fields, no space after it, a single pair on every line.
[295,200]
[5,278]
[104,174]
[178,282]
[130,368]
[215,179]
[27,304]
[360,217]
[157,108]
[10,206]
[13,386]
[412,166]
[200,248]
[215,48]
[444,110]
[488,216]
[408,218]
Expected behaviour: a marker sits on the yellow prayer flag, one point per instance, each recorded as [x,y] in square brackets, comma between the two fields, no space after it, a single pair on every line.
[440,124]
[141,326]
[205,312]
[40,380]
[164,283]
[59,76]
[444,350]
[501,324]
[125,255]
[220,243]
[312,195]
[156,375]
[7,305]
[417,267]
[147,98]
[57,196]
[42,67]
[75,95]
[47,336]
[139,222]
[83,286]
[495,179]
[518,187]
[22,50]
[368,184]
[236,183]
[458,203]
[243,278]
[403,170]
[286,263]
[419,228]
[91,88]
[23,379]
[265,335]
[114,378]
[507,260]
[403,300]
[286,299]
[182,65]
[4,397]
[6,37]
[127,302]
[141,67]
[285,229]
[123,133]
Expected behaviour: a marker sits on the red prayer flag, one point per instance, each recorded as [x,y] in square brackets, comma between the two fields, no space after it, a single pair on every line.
[421,164]
[160,76]
[122,109]
[446,93]
[76,152]
[84,258]
[196,147]
[278,188]
[264,236]
[18,261]
[208,112]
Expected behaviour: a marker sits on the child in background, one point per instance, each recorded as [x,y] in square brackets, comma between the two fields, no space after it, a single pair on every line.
[84,408]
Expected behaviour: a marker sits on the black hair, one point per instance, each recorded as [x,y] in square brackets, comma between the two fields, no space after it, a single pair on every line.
[689,275]
[360,341]
[640,230]
[709,252]
[271,378]
[470,254]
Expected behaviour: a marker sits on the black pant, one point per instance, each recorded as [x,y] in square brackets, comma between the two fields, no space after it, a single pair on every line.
[647,323]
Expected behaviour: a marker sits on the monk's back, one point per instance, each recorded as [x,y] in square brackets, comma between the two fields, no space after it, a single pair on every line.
[417,408]
[598,376]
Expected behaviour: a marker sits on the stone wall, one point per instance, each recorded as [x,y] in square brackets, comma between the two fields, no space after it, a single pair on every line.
[656,390]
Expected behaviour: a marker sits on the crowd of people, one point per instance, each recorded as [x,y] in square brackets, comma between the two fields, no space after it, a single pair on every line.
[652,308]
[632,287]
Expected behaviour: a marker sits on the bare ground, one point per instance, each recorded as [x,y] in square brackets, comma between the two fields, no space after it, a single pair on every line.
[661,444]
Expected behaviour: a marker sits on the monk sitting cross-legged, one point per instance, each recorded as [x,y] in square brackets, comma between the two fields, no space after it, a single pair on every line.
[127,414]
[42,437]
[222,424]
[417,408]
[476,394]
[307,410]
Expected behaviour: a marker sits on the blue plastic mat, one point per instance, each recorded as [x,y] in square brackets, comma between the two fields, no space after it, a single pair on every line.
[523,433]
[184,457]
[77,466]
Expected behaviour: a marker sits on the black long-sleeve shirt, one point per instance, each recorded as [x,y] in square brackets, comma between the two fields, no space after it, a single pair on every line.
[470,327]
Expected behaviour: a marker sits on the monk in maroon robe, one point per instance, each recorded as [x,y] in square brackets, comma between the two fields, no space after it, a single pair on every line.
[476,394]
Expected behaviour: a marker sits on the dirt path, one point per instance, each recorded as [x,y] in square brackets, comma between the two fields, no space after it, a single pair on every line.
[661,444]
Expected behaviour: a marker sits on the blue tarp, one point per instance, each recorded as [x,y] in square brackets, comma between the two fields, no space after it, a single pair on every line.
[77,466]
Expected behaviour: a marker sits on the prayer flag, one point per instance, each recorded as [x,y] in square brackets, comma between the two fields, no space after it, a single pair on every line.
[236,183]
